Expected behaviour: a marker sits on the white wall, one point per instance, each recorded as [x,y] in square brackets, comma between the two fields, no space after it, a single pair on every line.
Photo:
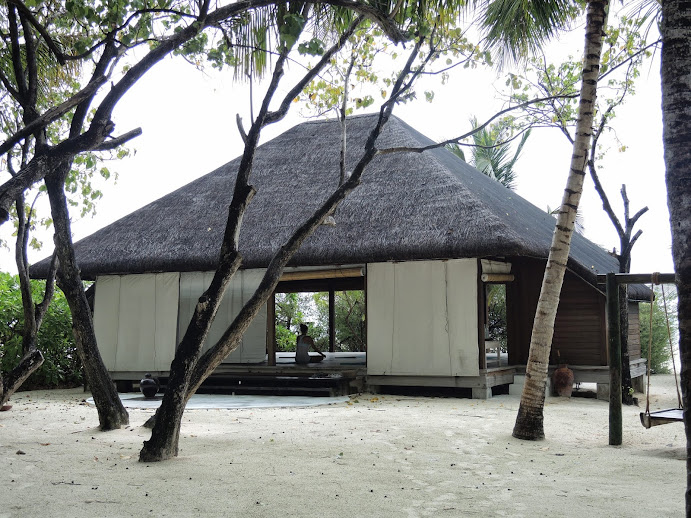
[252,349]
[135,319]
[422,318]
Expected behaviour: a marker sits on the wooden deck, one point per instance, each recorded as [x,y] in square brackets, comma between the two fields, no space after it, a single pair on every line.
[346,373]
[338,374]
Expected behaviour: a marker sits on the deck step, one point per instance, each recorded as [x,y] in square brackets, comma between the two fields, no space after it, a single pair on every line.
[299,385]
[239,390]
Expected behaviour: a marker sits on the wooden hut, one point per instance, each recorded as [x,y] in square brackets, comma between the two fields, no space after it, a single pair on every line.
[423,236]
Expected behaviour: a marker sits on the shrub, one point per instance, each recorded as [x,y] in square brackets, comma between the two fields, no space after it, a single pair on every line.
[61,366]
[661,356]
[285,339]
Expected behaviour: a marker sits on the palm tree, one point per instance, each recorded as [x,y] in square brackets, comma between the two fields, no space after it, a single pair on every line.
[520,31]
[490,152]
[676,120]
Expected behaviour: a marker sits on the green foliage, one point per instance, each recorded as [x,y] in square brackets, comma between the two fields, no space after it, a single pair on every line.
[496,314]
[660,351]
[293,309]
[285,339]
[314,47]
[350,321]
[61,366]
[357,70]
[289,316]
[290,29]
[624,51]
[55,84]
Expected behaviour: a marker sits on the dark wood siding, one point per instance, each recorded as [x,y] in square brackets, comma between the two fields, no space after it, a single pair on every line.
[580,333]
[634,332]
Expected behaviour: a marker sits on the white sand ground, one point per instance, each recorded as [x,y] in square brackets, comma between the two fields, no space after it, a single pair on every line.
[373,456]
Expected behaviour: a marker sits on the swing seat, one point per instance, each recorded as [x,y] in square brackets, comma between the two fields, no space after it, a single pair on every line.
[673,415]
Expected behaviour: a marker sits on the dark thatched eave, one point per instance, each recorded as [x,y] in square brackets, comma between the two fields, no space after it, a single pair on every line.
[410,206]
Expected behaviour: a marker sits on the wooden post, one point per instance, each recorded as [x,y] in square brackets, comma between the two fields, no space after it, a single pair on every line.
[615,418]
[332,319]
[612,282]
[271,330]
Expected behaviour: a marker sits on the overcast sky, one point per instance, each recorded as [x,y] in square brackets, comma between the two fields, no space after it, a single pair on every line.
[188,123]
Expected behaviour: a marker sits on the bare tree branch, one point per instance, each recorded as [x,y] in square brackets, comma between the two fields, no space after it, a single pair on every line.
[118,141]
[25,11]
[457,140]
[311,74]
[638,215]
[51,115]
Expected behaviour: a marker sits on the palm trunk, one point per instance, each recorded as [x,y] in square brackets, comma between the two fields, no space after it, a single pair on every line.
[676,116]
[529,422]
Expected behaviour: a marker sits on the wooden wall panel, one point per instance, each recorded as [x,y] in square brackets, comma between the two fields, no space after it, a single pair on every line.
[580,329]
[634,332]
[252,348]
[135,320]
[422,318]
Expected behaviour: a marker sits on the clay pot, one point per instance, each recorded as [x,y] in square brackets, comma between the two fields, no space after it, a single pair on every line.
[562,381]
[148,386]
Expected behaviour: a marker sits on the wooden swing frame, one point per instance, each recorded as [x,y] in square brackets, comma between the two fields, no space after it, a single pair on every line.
[672,415]
[612,282]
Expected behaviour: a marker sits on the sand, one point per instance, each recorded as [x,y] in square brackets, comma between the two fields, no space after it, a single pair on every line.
[372,456]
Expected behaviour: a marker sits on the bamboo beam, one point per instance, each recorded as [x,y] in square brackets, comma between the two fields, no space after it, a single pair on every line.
[638,278]
[497,277]
[322,274]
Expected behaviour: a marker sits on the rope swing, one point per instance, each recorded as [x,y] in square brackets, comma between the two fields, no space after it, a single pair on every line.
[671,415]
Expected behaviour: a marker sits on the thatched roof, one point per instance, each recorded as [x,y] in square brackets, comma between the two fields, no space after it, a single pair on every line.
[410,206]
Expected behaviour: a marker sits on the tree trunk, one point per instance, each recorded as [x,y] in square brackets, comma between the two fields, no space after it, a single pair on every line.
[529,422]
[185,381]
[625,267]
[676,117]
[626,384]
[14,379]
[165,435]
[626,241]
[111,412]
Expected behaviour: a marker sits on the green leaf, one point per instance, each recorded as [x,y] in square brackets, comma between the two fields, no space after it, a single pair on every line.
[290,29]
[314,47]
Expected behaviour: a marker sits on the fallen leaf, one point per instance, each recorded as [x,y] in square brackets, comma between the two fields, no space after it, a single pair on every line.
[45,444]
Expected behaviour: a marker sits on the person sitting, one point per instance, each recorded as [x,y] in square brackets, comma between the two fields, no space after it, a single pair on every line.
[304,342]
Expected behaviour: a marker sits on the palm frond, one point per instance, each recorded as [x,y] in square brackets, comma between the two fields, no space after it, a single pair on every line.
[647,13]
[491,148]
[518,28]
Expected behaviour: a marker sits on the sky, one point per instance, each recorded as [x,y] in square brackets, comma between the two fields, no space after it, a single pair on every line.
[188,123]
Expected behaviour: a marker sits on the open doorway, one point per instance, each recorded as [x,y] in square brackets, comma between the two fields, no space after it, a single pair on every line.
[333,310]
[315,310]
[496,325]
